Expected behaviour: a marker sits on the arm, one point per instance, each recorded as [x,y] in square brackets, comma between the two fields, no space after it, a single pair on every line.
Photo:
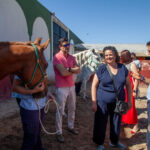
[76,69]
[17,87]
[140,77]
[50,96]
[135,75]
[62,70]
[145,80]
[128,87]
[136,82]
[94,92]
[68,71]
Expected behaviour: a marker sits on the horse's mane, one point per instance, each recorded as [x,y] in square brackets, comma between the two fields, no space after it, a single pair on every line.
[36,42]
[14,43]
[7,45]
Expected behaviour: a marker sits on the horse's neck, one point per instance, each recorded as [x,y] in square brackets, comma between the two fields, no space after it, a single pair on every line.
[11,60]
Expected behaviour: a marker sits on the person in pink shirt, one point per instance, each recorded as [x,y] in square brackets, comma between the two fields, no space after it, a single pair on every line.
[65,66]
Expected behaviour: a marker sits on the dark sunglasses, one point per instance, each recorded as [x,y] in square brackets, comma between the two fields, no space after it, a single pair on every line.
[66,45]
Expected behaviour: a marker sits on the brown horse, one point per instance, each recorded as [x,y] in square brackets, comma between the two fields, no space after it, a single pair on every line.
[20,58]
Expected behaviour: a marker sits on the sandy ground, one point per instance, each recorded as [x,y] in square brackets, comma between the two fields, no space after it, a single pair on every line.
[11,130]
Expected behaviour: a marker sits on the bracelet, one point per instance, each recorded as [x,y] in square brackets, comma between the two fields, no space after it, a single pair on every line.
[142,78]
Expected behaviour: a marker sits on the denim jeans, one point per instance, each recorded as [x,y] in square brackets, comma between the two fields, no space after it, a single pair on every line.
[148,128]
[148,139]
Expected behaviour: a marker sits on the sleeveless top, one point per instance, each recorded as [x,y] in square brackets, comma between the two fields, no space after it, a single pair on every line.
[105,90]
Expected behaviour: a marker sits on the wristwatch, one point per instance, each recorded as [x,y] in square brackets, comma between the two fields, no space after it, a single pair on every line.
[69,69]
[134,91]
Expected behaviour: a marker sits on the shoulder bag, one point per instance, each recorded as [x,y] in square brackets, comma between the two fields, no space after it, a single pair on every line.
[121,106]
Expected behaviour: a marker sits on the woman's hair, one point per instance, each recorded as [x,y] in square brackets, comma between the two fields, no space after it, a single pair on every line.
[114,50]
[133,54]
[148,43]
[126,56]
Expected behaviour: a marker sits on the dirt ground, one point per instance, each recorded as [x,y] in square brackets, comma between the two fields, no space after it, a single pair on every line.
[11,130]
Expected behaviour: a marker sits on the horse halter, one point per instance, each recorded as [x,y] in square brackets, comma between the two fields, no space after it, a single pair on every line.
[35,68]
[94,61]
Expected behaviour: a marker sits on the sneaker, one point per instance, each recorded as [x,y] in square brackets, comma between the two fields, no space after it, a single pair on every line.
[73,131]
[118,145]
[100,147]
[60,138]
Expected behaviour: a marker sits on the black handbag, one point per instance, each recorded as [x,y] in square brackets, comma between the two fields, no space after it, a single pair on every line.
[121,106]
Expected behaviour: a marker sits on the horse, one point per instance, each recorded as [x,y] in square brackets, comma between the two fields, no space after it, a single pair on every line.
[26,60]
[93,60]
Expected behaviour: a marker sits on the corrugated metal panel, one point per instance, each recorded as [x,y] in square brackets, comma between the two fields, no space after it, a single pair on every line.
[141,49]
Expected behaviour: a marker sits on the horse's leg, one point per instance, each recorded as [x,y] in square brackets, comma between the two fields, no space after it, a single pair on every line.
[85,77]
[83,88]
[78,87]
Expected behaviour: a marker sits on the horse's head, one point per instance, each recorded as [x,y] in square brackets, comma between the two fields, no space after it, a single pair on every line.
[94,59]
[33,71]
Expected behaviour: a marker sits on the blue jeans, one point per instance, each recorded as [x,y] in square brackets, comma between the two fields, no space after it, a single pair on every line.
[148,128]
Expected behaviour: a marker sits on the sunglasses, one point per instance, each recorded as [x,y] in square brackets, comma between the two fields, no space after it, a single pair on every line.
[66,45]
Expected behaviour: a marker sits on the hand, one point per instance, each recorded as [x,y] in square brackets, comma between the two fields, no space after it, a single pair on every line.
[50,96]
[129,105]
[94,107]
[135,75]
[39,88]
[134,94]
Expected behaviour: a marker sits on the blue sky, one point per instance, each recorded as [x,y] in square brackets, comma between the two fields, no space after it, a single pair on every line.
[104,21]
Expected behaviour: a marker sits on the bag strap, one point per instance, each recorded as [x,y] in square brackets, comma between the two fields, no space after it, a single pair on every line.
[114,84]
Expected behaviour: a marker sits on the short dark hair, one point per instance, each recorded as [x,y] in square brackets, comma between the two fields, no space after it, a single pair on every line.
[148,43]
[61,40]
[126,56]
[114,50]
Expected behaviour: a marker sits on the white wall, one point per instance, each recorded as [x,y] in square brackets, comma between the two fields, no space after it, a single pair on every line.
[40,30]
[13,25]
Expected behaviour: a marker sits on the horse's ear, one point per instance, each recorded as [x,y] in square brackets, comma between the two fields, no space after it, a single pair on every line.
[93,50]
[38,41]
[44,45]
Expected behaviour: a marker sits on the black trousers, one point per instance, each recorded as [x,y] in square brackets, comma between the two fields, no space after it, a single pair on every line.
[18,101]
[100,124]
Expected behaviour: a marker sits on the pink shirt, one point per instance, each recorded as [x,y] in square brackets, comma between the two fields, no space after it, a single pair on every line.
[67,62]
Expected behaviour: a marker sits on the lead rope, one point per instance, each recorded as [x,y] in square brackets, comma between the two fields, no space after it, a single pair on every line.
[46,111]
